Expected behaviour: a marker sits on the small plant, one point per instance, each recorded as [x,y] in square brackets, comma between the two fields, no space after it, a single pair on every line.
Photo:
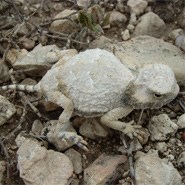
[94,19]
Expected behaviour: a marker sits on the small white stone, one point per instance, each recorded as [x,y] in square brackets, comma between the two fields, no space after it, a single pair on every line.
[130,27]
[7,110]
[161,127]
[161,147]
[181,121]
[125,35]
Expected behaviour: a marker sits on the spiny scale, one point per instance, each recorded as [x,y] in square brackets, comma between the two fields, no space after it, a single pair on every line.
[21,87]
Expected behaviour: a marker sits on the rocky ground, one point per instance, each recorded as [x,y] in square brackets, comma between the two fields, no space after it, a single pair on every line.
[34,35]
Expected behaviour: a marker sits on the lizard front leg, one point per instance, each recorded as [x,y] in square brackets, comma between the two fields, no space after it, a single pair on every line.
[110,119]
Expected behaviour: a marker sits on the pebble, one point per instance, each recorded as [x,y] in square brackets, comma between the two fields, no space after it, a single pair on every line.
[26,43]
[137,7]
[181,121]
[117,19]
[149,24]
[175,33]
[7,110]
[65,26]
[180,42]
[76,159]
[161,127]
[125,35]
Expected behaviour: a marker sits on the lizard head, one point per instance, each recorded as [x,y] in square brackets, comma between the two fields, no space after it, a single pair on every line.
[154,86]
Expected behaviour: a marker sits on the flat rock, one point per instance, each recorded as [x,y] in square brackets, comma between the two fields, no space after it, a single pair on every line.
[39,60]
[161,127]
[150,169]
[143,50]
[103,170]
[149,24]
[7,110]
[37,165]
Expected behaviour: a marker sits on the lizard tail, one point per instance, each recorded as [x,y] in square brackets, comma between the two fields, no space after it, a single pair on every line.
[21,87]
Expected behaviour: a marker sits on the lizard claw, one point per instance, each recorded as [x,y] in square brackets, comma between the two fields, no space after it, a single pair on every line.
[74,138]
[136,131]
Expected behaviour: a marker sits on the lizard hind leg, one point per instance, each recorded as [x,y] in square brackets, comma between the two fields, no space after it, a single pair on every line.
[64,102]
[60,130]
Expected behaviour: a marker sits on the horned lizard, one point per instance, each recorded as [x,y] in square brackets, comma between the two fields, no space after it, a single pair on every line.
[95,83]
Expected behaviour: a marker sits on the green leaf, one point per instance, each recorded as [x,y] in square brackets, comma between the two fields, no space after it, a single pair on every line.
[106,20]
[85,19]
[97,28]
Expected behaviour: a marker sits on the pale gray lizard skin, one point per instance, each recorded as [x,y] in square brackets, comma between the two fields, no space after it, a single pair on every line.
[95,83]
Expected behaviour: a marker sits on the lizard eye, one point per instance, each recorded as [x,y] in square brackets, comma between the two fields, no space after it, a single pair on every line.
[157,95]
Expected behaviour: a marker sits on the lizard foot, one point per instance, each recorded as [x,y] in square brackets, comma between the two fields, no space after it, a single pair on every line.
[136,131]
[74,138]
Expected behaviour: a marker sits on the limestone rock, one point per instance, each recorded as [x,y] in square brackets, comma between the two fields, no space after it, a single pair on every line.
[150,169]
[7,110]
[37,165]
[143,50]
[161,127]
[149,24]
[137,6]
[103,170]
[64,25]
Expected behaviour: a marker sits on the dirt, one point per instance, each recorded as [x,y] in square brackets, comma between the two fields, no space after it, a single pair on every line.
[33,14]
